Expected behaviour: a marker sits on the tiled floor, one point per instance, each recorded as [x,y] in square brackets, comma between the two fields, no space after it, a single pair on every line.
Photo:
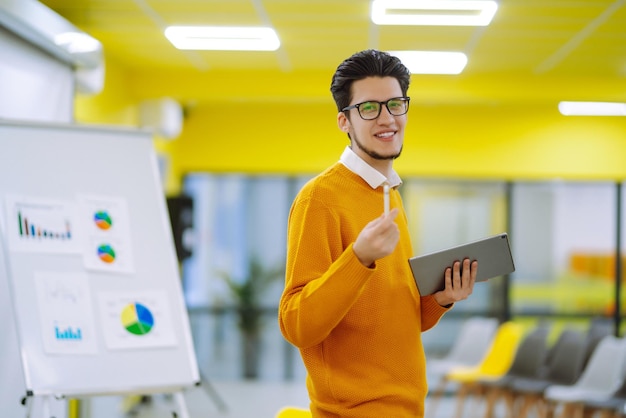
[238,399]
[227,399]
[227,396]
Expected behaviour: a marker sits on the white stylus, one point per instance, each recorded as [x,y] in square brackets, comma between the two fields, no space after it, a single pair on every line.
[386,198]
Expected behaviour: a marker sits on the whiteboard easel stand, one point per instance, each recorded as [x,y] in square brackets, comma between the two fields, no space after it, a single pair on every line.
[64,190]
[28,405]
[181,410]
[45,407]
[212,393]
[182,406]
[29,400]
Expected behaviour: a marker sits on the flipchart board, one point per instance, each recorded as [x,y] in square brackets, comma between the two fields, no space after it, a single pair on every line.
[88,256]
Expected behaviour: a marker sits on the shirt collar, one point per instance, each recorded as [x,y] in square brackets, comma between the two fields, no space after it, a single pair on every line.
[368,173]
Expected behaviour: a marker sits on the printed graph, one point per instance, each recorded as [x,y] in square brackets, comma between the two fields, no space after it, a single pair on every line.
[68,333]
[106,253]
[31,229]
[106,224]
[65,312]
[41,225]
[103,220]
[137,319]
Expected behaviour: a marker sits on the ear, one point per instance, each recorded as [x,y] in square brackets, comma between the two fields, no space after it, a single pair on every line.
[343,122]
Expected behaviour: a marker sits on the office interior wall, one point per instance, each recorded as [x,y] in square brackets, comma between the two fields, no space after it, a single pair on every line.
[115,105]
[237,126]
[35,87]
[509,141]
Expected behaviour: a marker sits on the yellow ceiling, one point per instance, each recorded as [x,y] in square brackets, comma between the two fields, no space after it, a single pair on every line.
[533,49]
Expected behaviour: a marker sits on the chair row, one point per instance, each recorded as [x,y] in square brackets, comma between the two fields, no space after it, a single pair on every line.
[580,374]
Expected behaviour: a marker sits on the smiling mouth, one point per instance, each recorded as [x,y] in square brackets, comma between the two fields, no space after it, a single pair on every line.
[385,135]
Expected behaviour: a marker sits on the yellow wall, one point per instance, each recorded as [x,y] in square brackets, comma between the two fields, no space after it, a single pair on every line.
[114,105]
[237,127]
[441,141]
[513,142]
[118,105]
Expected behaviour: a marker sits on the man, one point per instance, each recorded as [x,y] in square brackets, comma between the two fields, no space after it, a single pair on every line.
[350,303]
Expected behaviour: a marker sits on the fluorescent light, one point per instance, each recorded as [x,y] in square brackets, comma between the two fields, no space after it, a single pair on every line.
[432,62]
[433,12]
[223,38]
[592,109]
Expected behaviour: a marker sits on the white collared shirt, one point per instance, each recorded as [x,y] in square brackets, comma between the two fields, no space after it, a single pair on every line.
[368,173]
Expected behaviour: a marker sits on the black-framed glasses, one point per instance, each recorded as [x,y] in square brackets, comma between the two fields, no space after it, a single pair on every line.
[369,110]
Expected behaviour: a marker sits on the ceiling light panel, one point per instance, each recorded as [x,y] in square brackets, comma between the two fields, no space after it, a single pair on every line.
[223,38]
[592,109]
[433,12]
[432,62]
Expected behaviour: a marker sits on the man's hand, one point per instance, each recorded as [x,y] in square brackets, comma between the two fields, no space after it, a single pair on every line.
[459,282]
[378,239]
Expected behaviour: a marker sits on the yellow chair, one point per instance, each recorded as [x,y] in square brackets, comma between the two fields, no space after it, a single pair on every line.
[293,412]
[494,365]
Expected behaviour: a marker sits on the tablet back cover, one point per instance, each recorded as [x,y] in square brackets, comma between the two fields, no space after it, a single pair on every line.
[492,253]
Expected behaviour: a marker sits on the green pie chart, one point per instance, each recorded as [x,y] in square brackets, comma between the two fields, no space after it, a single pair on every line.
[137,319]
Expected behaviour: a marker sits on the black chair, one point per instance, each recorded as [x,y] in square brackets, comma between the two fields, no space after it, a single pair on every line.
[530,357]
[598,329]
[565,361]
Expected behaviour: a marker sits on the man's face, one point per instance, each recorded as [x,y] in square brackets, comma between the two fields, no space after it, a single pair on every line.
[378,140]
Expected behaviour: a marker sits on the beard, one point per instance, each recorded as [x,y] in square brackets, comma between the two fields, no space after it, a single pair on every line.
[374,154]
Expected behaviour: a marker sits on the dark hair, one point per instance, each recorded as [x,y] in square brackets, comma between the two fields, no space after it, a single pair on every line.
[368,63]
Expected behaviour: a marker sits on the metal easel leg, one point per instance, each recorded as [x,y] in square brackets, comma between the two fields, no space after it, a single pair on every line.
[181,406]
[45,407]
[27,401]
[212,393]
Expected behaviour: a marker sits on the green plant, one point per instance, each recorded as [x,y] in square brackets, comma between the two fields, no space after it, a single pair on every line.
[247,292]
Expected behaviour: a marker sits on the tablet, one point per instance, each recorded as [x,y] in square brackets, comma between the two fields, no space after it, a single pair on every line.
[492,253]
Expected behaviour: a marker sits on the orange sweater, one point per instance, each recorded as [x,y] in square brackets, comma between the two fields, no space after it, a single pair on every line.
[358,328]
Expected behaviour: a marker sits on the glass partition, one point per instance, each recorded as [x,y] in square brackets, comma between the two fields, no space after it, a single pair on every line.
[238,218]
[446,213]
[563,238]
[563,241]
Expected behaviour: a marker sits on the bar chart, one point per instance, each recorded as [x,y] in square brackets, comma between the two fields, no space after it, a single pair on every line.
[56,230]
[42,225]
[68,333]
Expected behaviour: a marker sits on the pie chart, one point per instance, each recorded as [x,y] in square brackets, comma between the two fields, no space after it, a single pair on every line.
[102,220]
[106,253]
[137,319]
